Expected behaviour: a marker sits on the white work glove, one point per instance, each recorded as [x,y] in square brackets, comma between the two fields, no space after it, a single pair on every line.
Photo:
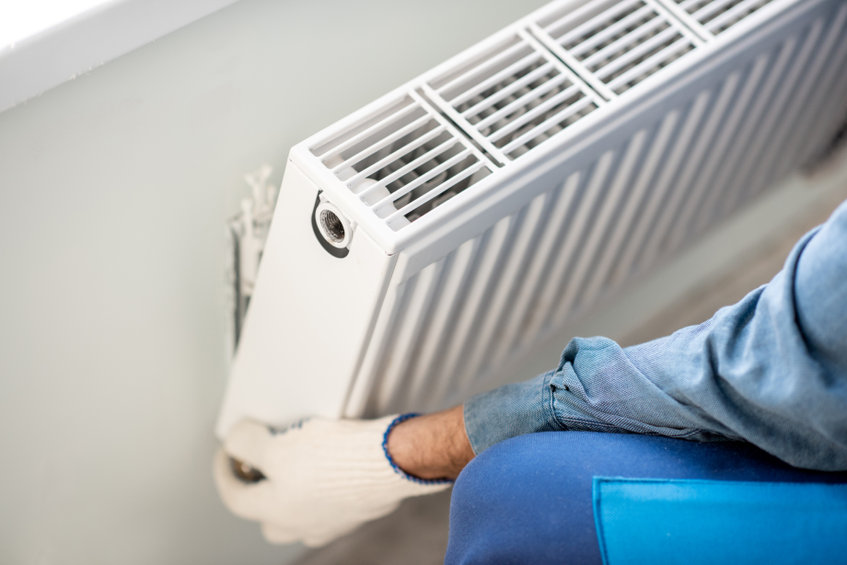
[323,478]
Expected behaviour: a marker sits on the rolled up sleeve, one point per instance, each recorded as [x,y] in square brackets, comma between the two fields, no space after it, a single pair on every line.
[770,370]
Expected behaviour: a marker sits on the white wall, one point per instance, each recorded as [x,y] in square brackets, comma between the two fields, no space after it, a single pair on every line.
[114,189]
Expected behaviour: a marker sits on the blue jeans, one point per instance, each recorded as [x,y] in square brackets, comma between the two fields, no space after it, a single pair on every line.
[770,370]
[529,500]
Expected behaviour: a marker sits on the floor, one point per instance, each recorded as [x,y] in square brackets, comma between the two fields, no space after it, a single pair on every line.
[417,533]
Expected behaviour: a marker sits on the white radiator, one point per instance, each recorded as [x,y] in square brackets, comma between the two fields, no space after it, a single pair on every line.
[447,227]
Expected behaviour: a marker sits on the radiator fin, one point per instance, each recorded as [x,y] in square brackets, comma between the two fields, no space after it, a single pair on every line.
[620,42]
[717,16]
[404,161]
[514,95]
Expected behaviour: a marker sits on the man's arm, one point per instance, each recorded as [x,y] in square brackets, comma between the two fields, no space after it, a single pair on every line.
[771,370]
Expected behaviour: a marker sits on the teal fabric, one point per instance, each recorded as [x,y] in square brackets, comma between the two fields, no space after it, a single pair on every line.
[649,521]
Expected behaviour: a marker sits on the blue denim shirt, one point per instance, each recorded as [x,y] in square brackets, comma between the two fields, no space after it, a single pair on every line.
[770,370]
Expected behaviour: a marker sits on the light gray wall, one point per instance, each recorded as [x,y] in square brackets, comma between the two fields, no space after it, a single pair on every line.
[114,188]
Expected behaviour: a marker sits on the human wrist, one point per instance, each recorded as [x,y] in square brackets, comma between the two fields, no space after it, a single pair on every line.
[432,446]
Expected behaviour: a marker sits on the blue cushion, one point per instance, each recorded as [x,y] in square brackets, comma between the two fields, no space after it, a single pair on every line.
[696,522]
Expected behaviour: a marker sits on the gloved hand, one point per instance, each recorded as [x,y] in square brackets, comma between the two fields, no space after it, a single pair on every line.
[323,478]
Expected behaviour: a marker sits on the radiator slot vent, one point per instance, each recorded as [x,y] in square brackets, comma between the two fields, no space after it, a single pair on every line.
[717,16]
[514,96]
[495,104]
[403,162]
[620,42]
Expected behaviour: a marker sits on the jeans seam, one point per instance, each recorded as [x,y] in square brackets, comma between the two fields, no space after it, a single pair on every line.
[565,423]
[599,425]
[596,424]
[550,402]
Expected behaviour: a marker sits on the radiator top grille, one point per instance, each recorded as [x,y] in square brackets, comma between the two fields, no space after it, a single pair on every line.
[621,43]
[718,16]
[493,105]
[514,95]
[403,163]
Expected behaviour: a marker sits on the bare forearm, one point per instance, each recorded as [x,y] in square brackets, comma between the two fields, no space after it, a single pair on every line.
[432,446]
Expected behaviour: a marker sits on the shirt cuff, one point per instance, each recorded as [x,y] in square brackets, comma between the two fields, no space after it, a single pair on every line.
[510,411]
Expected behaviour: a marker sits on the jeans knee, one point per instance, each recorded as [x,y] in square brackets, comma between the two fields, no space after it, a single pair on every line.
[510,505]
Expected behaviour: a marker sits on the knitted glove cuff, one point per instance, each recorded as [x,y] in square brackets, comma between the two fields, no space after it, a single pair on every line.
[400,419]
